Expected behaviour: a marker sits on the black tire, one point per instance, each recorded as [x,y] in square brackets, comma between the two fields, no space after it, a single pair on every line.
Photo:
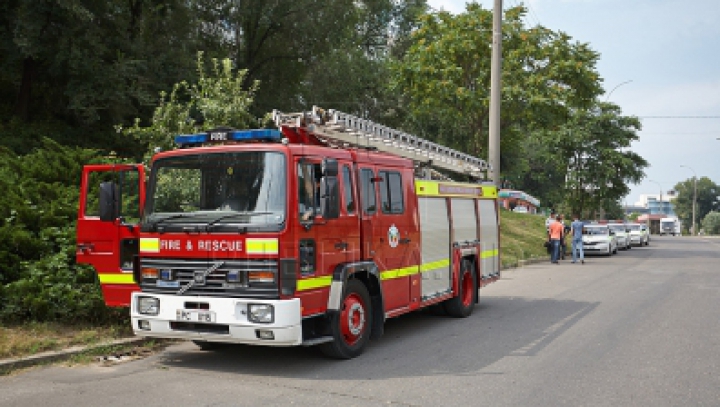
[463,304]
[350,326]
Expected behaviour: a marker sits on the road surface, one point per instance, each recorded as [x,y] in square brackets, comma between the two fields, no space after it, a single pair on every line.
[640,328]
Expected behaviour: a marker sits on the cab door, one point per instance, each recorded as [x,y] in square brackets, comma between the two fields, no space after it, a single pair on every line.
[107,238]
[390,233]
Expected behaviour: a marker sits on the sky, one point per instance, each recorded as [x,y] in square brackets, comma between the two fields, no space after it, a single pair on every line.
[660,61]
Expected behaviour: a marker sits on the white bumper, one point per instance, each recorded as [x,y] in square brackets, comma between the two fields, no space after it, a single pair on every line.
[596,247]
[230,323]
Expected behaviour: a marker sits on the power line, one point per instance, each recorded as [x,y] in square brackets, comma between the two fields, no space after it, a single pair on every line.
[678,117]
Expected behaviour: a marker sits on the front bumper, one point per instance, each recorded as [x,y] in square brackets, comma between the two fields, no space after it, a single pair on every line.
[230,324]
[596,247]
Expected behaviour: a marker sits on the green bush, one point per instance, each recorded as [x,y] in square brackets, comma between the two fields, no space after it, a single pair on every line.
[39,279]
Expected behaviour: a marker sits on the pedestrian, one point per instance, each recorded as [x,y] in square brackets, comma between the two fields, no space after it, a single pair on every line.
[555,233]
[549,220]
[576,228]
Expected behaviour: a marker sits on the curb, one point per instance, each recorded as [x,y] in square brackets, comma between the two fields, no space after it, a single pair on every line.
[7,365]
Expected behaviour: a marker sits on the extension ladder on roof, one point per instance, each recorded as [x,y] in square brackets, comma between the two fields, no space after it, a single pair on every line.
[340,129]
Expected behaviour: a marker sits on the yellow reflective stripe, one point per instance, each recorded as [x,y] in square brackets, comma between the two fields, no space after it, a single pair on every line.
[150,244]
[455,189]
[434,265]
[314,282]
[116,278]
[261,246]
[489,253]
[398,273]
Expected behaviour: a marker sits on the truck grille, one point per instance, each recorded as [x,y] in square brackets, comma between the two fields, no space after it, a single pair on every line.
[210,277]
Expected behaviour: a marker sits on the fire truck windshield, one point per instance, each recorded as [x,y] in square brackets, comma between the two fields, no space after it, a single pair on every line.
[247,188]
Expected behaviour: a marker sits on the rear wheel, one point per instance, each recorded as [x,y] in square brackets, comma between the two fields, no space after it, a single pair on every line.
[462,305]
[350,326]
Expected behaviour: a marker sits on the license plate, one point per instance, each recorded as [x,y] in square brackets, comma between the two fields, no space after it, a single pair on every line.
[195,316]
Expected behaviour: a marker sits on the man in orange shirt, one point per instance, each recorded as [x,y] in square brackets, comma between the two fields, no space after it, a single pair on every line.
[555,233]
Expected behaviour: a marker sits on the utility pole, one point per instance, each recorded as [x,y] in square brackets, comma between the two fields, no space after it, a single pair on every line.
[694,203]
[495,94]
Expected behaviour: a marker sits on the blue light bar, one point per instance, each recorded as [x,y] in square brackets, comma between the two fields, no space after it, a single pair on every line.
[220,136]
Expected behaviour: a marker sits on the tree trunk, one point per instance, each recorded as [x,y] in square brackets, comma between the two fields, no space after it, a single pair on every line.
[24,97]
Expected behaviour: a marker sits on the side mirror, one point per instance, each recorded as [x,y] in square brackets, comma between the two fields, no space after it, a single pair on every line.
[330,167]
[108,202]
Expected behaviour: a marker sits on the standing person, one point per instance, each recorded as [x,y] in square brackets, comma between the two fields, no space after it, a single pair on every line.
[576,228]
[549,220]
[555,233]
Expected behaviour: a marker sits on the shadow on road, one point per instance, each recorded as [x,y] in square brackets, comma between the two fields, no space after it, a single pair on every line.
[418,344]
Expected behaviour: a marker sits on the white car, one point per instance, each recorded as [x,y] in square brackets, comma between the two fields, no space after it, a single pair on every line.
[638,234]
[622,234]
[599,239]
[520,209]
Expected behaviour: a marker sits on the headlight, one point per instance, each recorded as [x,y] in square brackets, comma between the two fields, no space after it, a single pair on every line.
[148,305]
[261,313]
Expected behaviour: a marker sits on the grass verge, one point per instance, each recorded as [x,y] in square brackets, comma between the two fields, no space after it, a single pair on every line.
[34,337]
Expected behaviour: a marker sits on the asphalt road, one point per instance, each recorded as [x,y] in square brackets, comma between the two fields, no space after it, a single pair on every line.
[637,329]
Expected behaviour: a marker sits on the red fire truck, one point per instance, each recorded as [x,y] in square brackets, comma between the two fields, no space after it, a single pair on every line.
[313,234]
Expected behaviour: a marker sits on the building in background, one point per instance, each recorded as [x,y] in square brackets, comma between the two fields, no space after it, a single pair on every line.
[515,200]
[653,208]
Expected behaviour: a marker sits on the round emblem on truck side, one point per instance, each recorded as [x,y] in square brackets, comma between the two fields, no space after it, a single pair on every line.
[393,236]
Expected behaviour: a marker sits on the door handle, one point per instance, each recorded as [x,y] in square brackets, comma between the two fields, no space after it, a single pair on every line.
[405,240]
[85,247]
[341,246]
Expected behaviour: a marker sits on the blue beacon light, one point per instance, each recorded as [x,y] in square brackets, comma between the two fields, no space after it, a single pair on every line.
[219,136]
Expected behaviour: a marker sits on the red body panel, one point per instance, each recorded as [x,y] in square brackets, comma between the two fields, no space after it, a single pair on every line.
[99,243]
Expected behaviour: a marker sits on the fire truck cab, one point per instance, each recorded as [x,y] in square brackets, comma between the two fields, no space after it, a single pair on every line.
[288,237]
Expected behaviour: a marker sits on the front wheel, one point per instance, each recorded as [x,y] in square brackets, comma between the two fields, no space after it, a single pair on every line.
[350,326]
[462,305]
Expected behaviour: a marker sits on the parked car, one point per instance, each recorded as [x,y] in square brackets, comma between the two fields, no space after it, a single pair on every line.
[622,234]
[599,239]
[639,235]
[520,209]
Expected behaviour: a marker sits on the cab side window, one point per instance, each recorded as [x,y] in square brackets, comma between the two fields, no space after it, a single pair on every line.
[348,190]
[308,198]
[391,192]
[367,185]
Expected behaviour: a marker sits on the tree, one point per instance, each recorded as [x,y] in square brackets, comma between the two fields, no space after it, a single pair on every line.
[711,223]
[361,61]
[599,164]
[89,60]
[219,98]
[445,78]
[707,198]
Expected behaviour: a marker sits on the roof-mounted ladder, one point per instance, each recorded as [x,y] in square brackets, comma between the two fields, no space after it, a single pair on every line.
[340,129]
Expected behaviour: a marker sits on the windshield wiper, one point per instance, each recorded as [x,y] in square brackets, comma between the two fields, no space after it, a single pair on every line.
[233,215]
[154,225]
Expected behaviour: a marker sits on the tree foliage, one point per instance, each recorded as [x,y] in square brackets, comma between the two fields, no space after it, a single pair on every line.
[39,278]
[707,198]
[600,164]
[711,223]
[219,98]
[445,77]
